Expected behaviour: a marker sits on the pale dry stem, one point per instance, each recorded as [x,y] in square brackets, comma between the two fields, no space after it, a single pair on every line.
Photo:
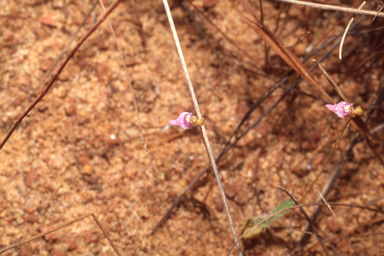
[347,28]
[335,8]
[154,172]
[334,215]
[203,130]
[326,163]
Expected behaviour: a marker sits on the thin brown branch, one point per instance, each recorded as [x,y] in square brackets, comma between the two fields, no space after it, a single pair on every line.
[334,8]
[105,234]
[319,204]
[24,241]
[276,44]
[261,11]
[58,58]
[65,62]
[326,163]
[319,238]
[246,53]
[141,31]
[332,82]
[132,90]
[327,188]
[341,226]
[178,199]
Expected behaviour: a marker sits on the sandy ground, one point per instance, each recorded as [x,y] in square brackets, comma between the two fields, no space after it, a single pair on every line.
[79,150]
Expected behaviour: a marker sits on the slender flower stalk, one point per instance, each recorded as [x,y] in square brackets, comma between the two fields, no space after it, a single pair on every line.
[343,110]
[203,130]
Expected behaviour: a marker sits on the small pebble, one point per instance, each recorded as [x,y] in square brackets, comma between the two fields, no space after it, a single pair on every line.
[32,218]
[230,191]
[219,205]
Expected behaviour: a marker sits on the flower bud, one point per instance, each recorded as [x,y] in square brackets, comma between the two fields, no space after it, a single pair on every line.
[342,109]
[184,121]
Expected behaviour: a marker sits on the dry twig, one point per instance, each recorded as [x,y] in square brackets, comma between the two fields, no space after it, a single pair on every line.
[53,79]
[203,130]
[154,172]
[318,204]
[308,219]
[24,241]
[346,30]
[335,8]
[334,215]
[58,58]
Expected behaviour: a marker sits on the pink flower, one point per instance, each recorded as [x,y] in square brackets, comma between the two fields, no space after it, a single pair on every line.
[184,121]
[342,109]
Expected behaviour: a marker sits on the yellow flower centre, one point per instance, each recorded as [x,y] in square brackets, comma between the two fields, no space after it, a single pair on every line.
[347,108]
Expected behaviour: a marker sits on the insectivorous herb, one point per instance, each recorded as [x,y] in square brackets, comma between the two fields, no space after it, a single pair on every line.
[186,121]
[344,109]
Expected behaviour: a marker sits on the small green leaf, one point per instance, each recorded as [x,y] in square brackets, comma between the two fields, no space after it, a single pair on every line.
[249,224]
[284,205]
[253,222]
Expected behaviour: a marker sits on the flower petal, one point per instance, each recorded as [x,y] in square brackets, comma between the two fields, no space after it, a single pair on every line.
[330,107]
[342,109]
[173,122]
[184,121]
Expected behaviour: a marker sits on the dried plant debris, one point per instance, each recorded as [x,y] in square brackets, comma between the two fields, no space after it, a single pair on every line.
[79,150]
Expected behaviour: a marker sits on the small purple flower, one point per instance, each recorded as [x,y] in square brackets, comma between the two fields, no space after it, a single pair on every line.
[184,121]
[342,109]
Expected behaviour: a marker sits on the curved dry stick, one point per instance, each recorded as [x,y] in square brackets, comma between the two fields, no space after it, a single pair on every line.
[24,241]
[341,226]
[326,163]
[334,8]
[346,30]
[53,79]
[277,85]
[300,206]
[308,219]
[292,60]
[58,58]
